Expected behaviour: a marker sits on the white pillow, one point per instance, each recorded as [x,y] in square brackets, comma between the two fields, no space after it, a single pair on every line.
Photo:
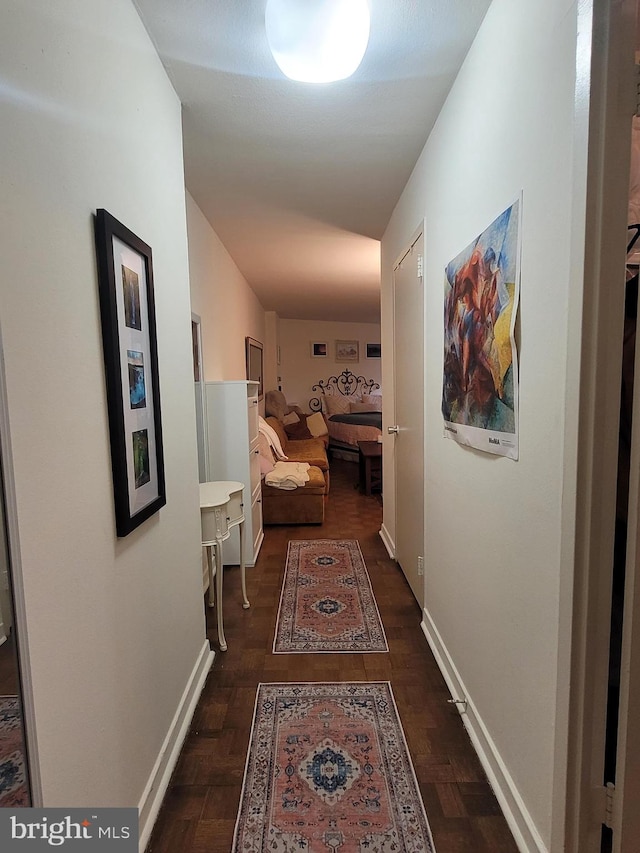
[316,425]
[374,400]
[291,418]
[338,404]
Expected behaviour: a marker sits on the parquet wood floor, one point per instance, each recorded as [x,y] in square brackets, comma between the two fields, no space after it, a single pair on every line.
[199,811]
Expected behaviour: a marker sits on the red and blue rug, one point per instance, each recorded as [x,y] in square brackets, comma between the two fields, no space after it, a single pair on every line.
[328,770]
[13,782]
[327,604]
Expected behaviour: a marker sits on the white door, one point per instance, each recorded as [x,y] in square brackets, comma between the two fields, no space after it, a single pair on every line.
[409,413]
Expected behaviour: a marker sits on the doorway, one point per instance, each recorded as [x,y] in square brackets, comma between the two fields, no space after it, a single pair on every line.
[17,776]
[622,745]
[408,332]
[198,382]
[599,811]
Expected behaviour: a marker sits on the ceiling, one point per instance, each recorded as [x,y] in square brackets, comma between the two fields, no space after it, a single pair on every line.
[299,180]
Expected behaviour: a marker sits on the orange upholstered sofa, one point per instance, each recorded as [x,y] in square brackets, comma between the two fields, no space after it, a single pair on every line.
[311,450]
[303,505]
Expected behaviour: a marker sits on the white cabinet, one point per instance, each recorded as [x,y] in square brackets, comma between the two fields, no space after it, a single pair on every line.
[231,437]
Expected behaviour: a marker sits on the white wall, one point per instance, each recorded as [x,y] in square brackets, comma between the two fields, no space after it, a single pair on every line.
[493,531]
[229,309]
[89,119]
[300,371]
[271,352]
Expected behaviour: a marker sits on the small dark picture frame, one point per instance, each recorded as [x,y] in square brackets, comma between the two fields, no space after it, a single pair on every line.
[253,355]
[127,310]
[373,350]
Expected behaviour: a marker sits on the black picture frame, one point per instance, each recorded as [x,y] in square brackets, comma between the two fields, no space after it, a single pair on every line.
[373,351]
[254,361]
[127,310]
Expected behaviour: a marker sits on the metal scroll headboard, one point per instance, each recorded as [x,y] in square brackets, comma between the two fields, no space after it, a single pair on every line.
[346,383]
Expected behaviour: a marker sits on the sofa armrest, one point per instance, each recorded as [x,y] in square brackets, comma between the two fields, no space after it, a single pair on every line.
[278,428]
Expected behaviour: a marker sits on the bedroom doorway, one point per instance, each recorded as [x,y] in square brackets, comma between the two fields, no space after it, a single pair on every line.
[198,379]
[603,780]
[19,772]
[408,331]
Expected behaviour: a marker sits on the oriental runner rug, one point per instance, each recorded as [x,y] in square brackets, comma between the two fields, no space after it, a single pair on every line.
[13,780]
[327,603]
[328,770]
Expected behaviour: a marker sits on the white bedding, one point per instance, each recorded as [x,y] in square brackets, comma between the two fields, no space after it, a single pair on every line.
[352,433]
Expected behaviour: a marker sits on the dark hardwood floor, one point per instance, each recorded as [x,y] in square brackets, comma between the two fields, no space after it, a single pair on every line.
[199,812]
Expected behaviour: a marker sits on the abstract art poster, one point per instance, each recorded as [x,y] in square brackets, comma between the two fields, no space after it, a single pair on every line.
[480,375]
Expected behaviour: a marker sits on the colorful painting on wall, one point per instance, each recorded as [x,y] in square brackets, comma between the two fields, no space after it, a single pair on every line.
[480,382]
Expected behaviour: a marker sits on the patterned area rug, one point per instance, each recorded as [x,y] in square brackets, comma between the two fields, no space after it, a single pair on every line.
[327,603]
[328,770]
[13,782]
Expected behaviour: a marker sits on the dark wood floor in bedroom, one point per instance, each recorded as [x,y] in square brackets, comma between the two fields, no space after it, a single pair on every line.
[199,812]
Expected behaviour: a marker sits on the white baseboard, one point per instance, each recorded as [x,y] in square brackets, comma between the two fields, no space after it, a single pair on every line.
[158,783]
[517,816]
[389,544]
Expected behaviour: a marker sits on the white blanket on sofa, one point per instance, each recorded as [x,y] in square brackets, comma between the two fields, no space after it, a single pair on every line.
[272,437]
[288,475]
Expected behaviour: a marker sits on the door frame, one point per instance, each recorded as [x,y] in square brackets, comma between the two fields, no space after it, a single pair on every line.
[17,589]
[604,95]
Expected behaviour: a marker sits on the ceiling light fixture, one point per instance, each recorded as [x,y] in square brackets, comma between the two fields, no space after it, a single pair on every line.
[317,41]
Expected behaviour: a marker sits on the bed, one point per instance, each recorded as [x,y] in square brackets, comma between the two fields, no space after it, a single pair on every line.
[352,406]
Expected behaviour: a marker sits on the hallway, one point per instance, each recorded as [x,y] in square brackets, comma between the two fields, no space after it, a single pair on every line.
[199,811]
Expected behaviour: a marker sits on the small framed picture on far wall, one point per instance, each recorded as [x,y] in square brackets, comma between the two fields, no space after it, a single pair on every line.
[318,350]
[347,351]
[373,350]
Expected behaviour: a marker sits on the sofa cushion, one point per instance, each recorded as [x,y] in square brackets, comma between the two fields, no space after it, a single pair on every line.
[317,425]
[298,430]
[308,450]
[275,404]
[278,428]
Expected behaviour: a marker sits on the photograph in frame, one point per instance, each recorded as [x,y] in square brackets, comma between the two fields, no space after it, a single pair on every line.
[137,391]
[347,351]
[318,349]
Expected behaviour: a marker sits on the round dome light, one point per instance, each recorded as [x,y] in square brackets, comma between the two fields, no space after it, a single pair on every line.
[317,41]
